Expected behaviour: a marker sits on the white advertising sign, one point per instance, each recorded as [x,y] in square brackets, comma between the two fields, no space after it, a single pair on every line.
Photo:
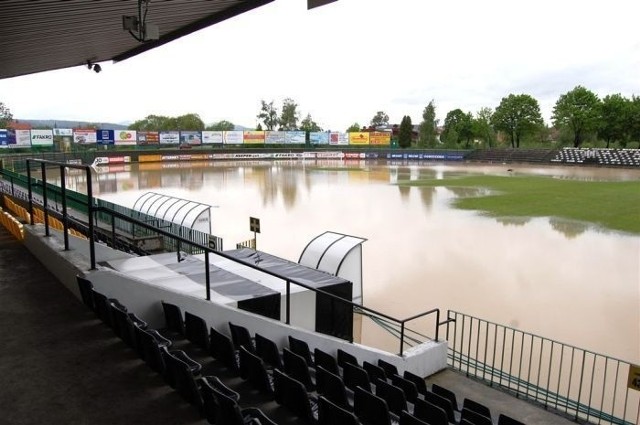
[211,137]
[41,138]
[84,137]
[125,137]
[235,137]
[170,137]
[23,138]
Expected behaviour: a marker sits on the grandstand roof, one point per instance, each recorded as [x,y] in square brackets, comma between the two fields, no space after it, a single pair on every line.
[52,34]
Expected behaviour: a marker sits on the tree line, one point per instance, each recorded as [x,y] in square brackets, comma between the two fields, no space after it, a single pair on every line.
[579,116]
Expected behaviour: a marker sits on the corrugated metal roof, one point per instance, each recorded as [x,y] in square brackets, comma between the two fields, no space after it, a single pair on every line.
[43,35]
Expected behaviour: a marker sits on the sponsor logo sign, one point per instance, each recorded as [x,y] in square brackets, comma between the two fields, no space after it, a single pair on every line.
[379,138]
[295,137]
[337,138]
[319,138]
[190,138]
[253,137]
[68,132]
[41,138]
[169,137]
[84,137]
[148,137]
[274,137]
[358,138]
[125,137]
[105,137]
[23,138]
[212,137]
[233,137]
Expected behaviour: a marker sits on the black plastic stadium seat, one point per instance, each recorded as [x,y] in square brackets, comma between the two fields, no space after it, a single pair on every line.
[241,337]
[229,412]
[355,376]
[268,351]
[443,403]
[195,329]
[369,408]
[476,407]
[344,357]
[420,383]
[332,387]
[394,396]
[407,419]
[375,372]
[296,367]
[221,348]
[173,318]
[429,413]
[507,420]
[331,414]
[301,348]
[409,388]
[252,369]
[326,361]
[389,369]
[475,418]
[210,403]
[292,395]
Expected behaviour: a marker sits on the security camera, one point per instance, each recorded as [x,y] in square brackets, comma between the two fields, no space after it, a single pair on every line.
[97,68]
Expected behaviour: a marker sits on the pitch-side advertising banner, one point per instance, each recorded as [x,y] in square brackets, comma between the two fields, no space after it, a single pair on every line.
[295,137]
[233,137]
[4,138]
[336,138]
[212,137]
[105,137]
[169,137]
[319,138]
[358,138]
[84,137]
[274,137]
[253,137]
[148,137]
[63,132]
[126,137]
[41,138]
[190,138]
[23,139]
[379,138]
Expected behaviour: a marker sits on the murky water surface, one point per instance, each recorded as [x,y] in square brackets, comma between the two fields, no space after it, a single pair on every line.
[564,280]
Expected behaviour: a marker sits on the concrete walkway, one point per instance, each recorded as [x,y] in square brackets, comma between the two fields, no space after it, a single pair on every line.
[60,365]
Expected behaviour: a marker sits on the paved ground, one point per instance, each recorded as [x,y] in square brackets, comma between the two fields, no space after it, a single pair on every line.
[61,365]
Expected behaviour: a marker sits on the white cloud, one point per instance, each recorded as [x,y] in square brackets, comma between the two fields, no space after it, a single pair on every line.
[347,60]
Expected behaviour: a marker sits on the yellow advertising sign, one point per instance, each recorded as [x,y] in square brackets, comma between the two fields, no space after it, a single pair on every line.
[380,138]
[358,138]
[634,377]
[149,158]
[253,137]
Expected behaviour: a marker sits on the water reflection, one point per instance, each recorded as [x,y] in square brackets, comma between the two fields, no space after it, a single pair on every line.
[533,273]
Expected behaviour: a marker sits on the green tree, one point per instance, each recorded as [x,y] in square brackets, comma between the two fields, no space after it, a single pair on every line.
[289,116]
[353,127]
[380,118]
[5,115]
[458,126]
[154,123]
[222,125]
[633,121]
[482,127]
[269,115]
[405,132]
[614,119]
[309,125]
[517,116]
[189,122]
[578,110]
[428,126]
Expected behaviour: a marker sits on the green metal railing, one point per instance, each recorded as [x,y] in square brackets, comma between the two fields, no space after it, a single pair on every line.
[587,386]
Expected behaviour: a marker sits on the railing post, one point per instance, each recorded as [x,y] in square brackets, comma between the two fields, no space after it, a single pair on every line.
[92,248]
[207,279]
[113,231]
[401,338]
[437,324]
[287,316]
[65,222]
[30,193]
[43,171]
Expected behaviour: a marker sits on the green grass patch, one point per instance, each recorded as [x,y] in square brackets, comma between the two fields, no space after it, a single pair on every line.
[611,204]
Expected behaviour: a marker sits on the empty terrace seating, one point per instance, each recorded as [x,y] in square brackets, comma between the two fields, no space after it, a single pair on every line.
[596,156]
[505,155]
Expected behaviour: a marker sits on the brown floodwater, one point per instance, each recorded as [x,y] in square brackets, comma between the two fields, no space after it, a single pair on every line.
[569,281]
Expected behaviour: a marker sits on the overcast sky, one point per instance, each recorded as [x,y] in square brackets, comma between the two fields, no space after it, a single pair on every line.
[343,62]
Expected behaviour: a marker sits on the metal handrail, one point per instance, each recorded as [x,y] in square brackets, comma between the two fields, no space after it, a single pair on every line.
[93,209]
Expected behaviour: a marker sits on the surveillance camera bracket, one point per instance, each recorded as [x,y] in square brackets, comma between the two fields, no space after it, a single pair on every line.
[137,25]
